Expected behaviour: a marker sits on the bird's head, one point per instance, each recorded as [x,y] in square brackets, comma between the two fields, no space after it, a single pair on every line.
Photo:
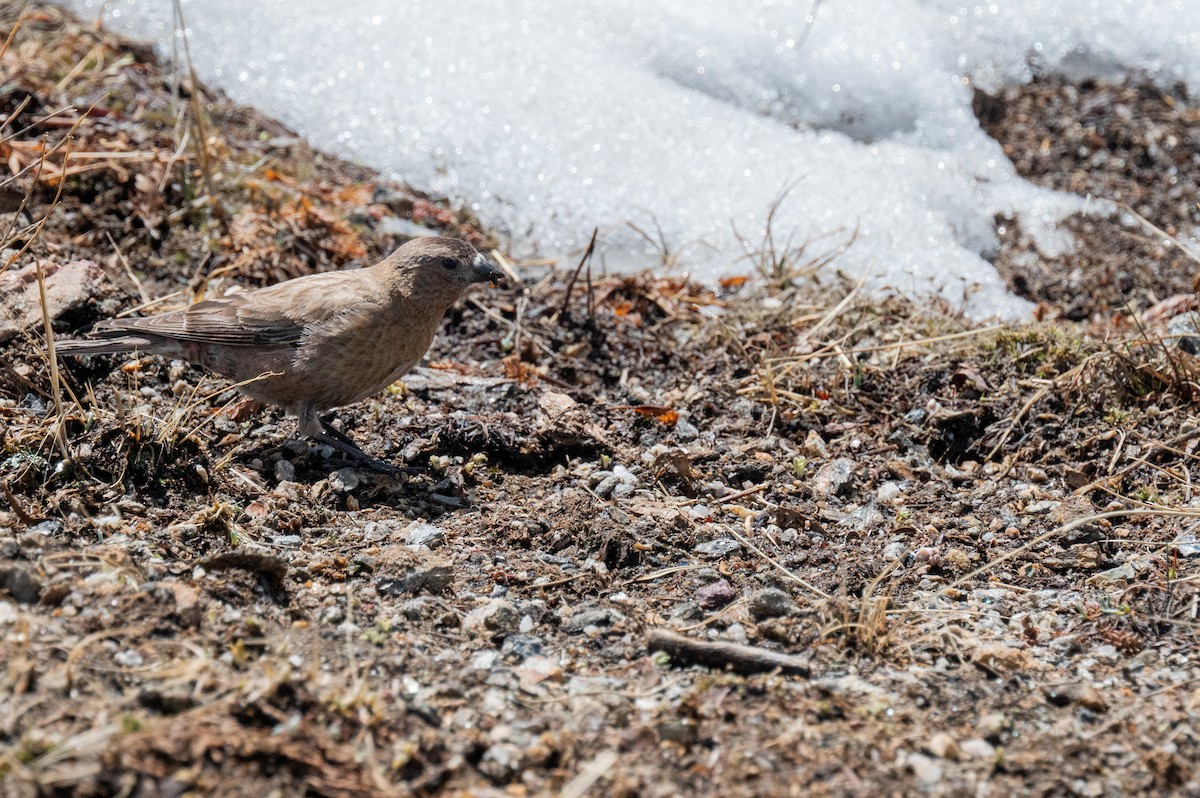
[442,267]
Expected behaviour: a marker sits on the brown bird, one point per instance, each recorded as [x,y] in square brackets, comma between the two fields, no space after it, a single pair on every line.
[316,342]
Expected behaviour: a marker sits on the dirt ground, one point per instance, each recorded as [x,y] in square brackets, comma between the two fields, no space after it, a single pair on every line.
[765,538]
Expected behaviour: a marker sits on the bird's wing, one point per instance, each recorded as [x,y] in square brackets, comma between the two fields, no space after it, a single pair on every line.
[274,316]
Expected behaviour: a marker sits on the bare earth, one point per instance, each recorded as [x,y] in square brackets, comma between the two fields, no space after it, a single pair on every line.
[769,538]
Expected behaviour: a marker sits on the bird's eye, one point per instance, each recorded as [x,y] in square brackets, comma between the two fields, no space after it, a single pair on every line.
[449,263]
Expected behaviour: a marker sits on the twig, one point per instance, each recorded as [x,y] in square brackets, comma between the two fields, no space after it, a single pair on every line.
[738,658]
[563,312]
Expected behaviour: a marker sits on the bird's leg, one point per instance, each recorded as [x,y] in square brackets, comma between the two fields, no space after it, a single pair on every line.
[321,431]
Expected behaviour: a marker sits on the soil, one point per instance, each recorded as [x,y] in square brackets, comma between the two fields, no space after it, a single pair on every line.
[764,538]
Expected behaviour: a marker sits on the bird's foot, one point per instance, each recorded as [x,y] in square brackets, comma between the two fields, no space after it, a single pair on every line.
[340,441]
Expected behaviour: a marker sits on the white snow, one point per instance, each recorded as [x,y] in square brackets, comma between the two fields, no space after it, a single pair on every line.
[688,117]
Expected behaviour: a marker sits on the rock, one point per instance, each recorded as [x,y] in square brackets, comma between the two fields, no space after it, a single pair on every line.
[888,493]
[433,577]
[834,477]
[1186,545]
[537,669]
[814,446]
[943,746]
[497,615]
[894,550]
[8,613]
[20,584]
[924,768]
[285,471]
[716,595]
[1084,695]
[593,617]
[977,749]
[420,534]
[522,645]
[1122,573]
[68,286]
[501,762]
[771,602]
[345,480]
[718,548]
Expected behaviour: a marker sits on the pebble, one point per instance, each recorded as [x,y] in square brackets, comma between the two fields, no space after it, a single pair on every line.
[8,613]
[522,645]
[888,493]
[718,548]
[925,768]
[1122,573]
[834,477]
[285,471]
[430,577]
[716,595]
[594,617]
[428,535]
[771,602]
[497,615]
[344,480]
[943,746]
[977,748]
[20,584]
[1186,545]
[894,550]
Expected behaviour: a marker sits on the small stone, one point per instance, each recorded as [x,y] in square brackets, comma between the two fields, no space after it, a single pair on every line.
[8,613]
[834,477]
[345,480]
[943,746]
[497,615]
[522,645]
[888,493]
[1186,545]
[894,550]
[977,749]
[431,577]
[771,602]
[501,762]
[428,535]
[1085,695]
[718,548]
[716,595]
[1122,573]
[285,471]
[20,584]
[537,669]
[814,446]
[925,768]
[595,617]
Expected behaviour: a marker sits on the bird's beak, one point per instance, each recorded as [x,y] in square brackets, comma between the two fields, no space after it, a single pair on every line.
[486,271]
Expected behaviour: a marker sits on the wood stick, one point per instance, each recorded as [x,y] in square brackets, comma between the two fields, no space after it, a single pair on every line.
[738,658]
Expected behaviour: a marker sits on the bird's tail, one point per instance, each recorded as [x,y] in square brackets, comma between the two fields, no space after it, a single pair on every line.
[111,344]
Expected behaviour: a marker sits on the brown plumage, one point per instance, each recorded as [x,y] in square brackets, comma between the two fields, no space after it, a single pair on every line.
[315,342]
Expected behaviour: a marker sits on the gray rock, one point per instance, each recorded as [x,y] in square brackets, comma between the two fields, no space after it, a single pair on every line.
[834,477]
[1186,545]
[523,646]
[345,480]
[285,471]
[20,584]
[718,548]
[598,617]
[771,602]
[497,615]
[432,577]
[426,535]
